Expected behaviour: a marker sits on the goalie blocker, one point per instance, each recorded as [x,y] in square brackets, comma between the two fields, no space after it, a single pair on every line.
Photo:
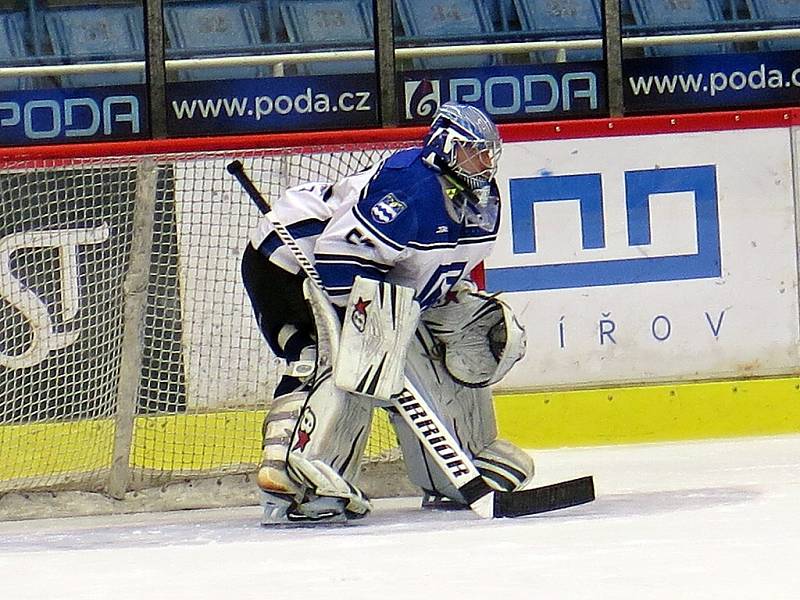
[378,325]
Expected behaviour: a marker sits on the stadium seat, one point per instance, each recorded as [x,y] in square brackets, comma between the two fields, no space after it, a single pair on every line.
[274,29]
[777,14]
[502,15]
[97,34]
[446,21]
[687,16]
[562,20]
[13,49]
[214,28]
[317,24]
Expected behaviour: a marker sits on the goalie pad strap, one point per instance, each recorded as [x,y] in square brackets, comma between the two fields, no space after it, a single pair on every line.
[324,481]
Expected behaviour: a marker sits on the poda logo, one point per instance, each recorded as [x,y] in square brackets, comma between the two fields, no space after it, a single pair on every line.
[45,119]
[422,98]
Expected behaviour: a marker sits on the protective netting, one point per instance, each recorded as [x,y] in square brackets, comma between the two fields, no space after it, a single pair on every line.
[128,350]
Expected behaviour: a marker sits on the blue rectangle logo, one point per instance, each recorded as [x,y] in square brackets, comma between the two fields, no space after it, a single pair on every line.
[586,189]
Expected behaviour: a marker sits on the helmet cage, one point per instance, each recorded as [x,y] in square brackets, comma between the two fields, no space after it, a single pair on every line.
[464,142]
[479,208]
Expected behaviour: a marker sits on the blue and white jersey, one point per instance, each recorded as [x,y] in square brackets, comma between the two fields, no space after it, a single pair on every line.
[388,223]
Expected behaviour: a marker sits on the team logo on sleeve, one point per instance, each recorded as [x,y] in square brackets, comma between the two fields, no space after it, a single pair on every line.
[387,209]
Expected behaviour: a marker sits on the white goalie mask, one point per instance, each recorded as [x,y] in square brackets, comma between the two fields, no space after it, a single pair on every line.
[464,145]
[480,336]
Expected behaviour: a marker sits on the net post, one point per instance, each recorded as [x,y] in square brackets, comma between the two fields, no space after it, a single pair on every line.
[135,301]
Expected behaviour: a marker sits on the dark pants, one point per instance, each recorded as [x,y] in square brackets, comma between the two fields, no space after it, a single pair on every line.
[277,299]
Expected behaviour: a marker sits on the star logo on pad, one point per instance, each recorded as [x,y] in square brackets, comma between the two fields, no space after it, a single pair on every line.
[361,305]
[359,316]
[308,421]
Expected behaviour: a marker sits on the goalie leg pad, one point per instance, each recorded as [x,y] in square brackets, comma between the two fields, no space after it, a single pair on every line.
[278,429]
[325,450]
[504,466]
[333,428]
[469,415]
[312,450]
[314,439]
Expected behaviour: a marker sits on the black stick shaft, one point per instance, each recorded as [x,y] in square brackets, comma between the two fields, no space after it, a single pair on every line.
[236,169]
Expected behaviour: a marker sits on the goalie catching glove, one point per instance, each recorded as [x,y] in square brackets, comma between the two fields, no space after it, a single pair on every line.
[480,337]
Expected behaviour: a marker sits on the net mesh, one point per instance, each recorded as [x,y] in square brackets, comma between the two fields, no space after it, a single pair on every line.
[203,376]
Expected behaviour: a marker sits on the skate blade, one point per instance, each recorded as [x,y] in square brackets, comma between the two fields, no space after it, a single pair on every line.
[335,521]
[443,505]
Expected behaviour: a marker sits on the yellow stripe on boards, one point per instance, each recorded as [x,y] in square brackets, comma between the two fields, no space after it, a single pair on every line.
[176,442]
[650,414]
[195,442]
[39,449]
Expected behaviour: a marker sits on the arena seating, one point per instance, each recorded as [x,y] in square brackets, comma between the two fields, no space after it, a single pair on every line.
[96,34]
[13,48]
[660,17]
[427,22]
[64,32]
[214,28]
[319,23]
[578,19]
[777,14]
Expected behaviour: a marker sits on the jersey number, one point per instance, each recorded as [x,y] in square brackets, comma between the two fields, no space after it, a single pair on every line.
[356,237]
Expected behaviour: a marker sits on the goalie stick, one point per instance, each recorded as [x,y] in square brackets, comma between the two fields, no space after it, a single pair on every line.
[485,501]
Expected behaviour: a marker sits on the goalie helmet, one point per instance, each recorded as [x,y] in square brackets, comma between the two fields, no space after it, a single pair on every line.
[464,145]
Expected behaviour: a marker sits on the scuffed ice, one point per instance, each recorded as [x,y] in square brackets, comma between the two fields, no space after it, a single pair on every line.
[703,520]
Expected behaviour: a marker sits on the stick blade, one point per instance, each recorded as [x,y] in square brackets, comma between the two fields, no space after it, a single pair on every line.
[544,499]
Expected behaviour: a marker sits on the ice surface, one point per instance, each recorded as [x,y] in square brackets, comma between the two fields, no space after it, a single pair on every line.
[703,520]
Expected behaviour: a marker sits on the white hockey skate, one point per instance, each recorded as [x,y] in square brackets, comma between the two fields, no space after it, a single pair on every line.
[282,509]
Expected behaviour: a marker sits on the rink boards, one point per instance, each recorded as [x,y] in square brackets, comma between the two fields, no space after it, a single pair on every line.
[658,272]
[652,260]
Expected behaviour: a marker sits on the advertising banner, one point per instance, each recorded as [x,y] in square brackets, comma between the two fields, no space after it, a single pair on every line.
[650,258]
[65,242]
[272,104]
[73,115]
[685,83]
[530,91]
